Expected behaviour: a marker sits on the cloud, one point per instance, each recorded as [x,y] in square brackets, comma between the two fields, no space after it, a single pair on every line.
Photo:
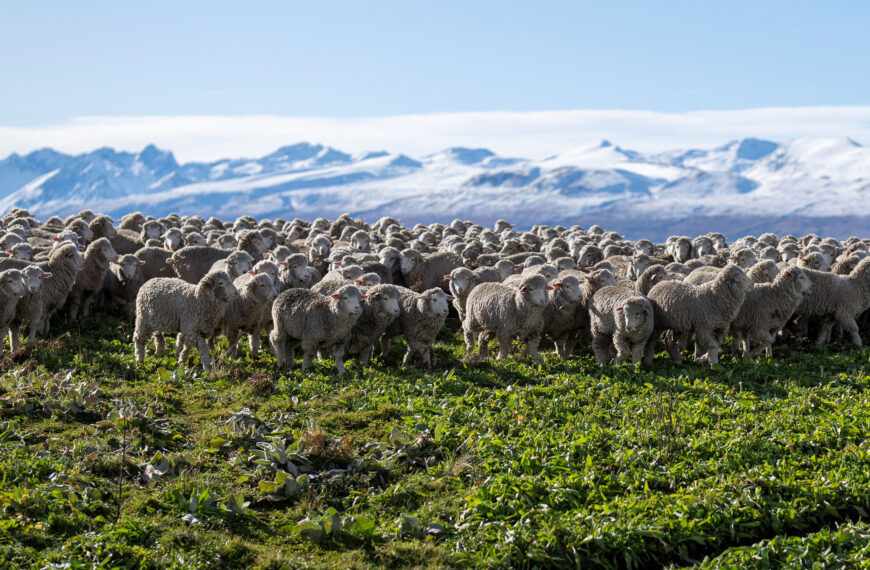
[533,134]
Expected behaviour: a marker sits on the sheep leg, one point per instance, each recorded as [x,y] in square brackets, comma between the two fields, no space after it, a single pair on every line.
[338,354]
[709,347]
[140,337]
[469,341]
[601,348]
[649,350]
[233,343]
[623,349]
[504,346]
[204,354]
[182,349]
[483,342]
[308,356]
[87,299]
[385,346]
[13,336]
[851,327]
[532,346]
[159,344]
[279,346]
[672,346]
[824,335]
[75,301]
[636,352]
[254,343]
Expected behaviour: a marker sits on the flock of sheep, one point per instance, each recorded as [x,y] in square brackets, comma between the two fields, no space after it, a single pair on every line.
[342,287]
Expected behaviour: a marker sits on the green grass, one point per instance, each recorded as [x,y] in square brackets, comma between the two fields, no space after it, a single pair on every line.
[747,464]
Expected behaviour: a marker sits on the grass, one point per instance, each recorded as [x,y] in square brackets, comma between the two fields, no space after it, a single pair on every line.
[108,463]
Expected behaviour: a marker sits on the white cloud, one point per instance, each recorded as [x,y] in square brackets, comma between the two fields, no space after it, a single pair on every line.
[527,134]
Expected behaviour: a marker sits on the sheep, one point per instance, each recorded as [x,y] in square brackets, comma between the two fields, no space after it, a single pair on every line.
[620,318]
[122,283]
[496,310]
[171,305]
[337,278]
[744,258]
[12,288]
[301,317]
[236,263]
[295,272]
[28,310]
[461,281]
[649,278]
[816,261]
[379,309]
[421,272]
[252,242]
[560,321]
[89,280]
[767,308]
[155,262]
[763,272]
[837,299]
[192,263]
[173,239]
[420,318]
[485,275]
[270,268]
[706,310]
[248,311]
[126,241]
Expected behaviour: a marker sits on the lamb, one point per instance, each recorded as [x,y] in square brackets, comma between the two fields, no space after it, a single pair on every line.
[706,310]
[270,268]
[620,318]
[379,309]
[496,310]
[248,311]
[89,280]
[461,281]
[315,322]
[816,261]
[122,283]
[837,299]
[560,321]
[170,305]
[421,272]
[236,264]
[421,316]
[12,288]
[743,258]
[767,308]
[192,263]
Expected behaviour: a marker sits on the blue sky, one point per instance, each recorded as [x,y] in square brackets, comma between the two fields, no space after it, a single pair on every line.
[339,60]
[66,59]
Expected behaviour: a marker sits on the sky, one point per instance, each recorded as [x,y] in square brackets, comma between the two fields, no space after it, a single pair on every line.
[234,77]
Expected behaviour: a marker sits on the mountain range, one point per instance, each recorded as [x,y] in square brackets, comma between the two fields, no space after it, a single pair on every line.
[746,186]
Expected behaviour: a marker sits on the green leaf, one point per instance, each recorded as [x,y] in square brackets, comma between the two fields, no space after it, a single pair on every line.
[359,525]
[309,529]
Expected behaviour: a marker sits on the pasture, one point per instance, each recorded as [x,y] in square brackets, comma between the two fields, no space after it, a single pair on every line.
[108,463]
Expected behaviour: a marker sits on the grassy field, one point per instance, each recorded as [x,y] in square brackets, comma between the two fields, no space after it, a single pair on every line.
[107,463]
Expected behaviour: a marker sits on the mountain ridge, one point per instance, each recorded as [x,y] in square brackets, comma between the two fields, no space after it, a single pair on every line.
[809,180]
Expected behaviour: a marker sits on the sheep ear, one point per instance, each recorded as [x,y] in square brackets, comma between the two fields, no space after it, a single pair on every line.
[55,239]
[141,263]
[337,263]
[9,251]
[358,281]
[45,276]
[335,297]
[362,297]
[548,288]
[252,272]
[450,297]
[448,277]
[282,263]
[523,289]
[557,284]
[618,308]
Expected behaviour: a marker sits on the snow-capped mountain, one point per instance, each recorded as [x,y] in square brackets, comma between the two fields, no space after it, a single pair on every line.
[745,186]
